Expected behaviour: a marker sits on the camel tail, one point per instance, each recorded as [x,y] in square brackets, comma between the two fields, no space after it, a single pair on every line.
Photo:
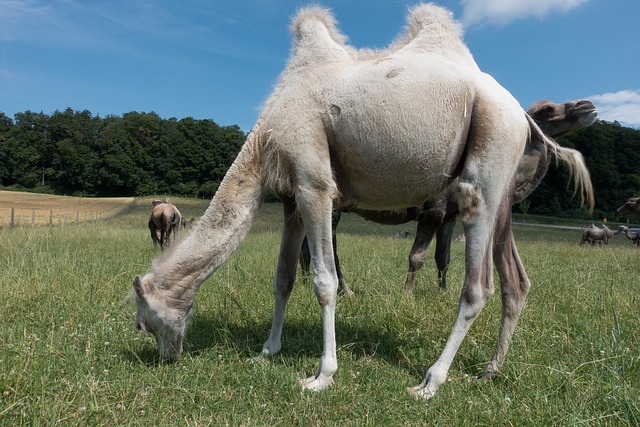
[573,159]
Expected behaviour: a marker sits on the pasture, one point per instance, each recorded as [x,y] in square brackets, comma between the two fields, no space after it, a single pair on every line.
[69,354]
[21,208]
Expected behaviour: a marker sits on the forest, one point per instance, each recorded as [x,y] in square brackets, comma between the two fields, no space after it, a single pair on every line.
[76,153]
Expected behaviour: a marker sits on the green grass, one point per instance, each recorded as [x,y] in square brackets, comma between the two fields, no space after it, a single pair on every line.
[69,354]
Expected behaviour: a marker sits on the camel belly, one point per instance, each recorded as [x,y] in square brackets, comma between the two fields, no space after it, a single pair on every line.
[396,141]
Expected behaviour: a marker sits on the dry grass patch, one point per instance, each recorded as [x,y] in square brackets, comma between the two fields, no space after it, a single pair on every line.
[37,209]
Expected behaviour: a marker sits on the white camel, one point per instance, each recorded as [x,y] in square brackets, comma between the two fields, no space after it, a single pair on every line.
[383,131]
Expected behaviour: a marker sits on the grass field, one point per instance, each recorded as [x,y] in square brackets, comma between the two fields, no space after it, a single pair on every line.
[69,354]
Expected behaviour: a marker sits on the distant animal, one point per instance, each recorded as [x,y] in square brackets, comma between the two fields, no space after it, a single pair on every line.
[401,234]
[631,207]
[634,236]
[593,234]
[378,131]
[156,202]
[185,222]
[164,220]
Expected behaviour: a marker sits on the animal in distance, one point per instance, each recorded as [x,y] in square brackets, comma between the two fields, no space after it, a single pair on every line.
[336,131]
[164,220]
[593,234]
[630,207]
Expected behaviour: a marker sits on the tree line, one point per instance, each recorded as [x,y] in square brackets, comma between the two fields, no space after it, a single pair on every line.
[76,153]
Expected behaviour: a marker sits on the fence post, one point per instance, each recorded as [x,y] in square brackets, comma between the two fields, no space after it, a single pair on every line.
[50,217]
[13,216]
[33,217]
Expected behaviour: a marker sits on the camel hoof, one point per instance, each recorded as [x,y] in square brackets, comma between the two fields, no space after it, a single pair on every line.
[316,383]
[422,391]
[489,373]
[260,359]
[344,288]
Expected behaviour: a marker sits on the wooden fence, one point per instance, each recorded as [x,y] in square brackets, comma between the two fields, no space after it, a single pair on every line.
[13,217]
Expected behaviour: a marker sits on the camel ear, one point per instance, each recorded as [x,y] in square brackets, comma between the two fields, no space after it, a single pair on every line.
[139,287]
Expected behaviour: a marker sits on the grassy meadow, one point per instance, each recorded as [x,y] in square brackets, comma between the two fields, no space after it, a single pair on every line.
[69,354]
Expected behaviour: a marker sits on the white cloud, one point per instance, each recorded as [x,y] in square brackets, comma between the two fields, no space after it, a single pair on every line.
[502,12]
[622,106]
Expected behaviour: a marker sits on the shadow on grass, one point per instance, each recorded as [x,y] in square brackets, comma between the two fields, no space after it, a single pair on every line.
[300,339]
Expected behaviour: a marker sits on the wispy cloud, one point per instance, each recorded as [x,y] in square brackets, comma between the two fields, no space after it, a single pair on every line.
[137,29]
[622,106]
[502,12]
[21,16]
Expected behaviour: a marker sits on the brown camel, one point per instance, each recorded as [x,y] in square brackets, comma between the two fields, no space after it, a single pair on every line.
[165,219]
[631,207]
[380,133]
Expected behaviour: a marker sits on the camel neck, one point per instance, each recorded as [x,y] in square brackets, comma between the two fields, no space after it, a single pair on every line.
[219,232]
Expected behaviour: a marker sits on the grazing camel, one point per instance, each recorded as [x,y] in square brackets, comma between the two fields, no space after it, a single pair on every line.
[631,207]
[165,218]
[380,134]
[634,236]
[185,222]
[593,234]
[438,216]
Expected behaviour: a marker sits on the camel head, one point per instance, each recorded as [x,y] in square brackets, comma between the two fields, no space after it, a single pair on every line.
[154,315]
[556,120]
[631,207]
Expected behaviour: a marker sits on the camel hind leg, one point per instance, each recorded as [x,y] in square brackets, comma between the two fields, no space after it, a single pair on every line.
[481,190]
[478,283]
[514,285]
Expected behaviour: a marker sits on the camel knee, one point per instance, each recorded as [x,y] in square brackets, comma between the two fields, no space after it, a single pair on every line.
[325,287]
[473,300]
[469,198]
[416,260]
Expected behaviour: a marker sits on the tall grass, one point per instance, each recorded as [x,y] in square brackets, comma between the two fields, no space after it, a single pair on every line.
[69,354]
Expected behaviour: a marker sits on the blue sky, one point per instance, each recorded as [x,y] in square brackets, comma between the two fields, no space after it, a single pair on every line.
[219,59]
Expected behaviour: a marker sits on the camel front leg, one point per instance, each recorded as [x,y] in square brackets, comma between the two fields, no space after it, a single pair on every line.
[285,276]
[442,255]
[429,220]
[316,213]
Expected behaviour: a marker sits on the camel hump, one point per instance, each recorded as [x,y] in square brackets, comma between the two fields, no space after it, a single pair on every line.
[316,38]
[431,28]
[434,20]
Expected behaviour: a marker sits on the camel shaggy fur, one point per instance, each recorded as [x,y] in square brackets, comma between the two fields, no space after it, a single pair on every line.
[165,219]
[382,133]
